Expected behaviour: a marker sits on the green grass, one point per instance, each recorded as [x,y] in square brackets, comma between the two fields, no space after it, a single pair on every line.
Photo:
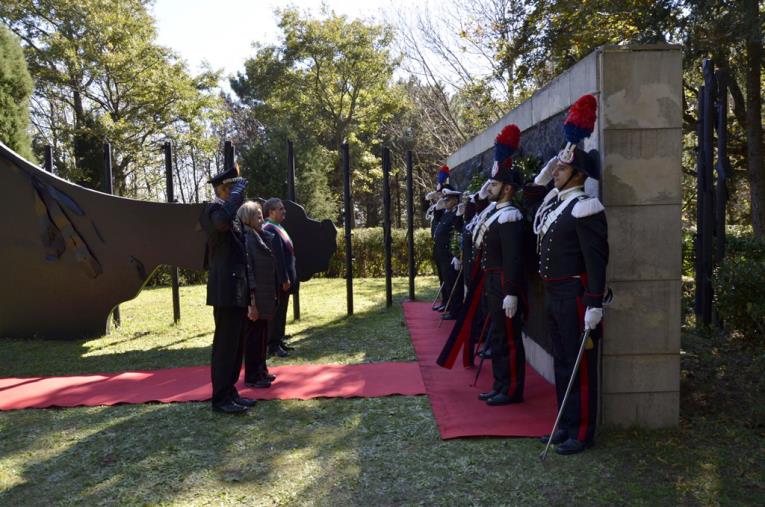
[147,339]
[383,451]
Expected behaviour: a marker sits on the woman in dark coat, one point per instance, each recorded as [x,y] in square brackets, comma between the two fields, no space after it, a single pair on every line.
[261,278]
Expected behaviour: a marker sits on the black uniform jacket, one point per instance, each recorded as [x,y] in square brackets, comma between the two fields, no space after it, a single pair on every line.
[576,244]
[442,238]
[225,259]
[503,250]
[261,271]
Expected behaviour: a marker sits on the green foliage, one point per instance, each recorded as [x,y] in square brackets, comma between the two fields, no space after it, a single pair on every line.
[15,88]
[326,82]
[100,75]
[739,290]
[369,253]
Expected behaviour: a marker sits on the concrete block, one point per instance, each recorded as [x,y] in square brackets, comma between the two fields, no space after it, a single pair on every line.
[644,318]
[641,374]
[642,166]
[583,77]
[645,242]
[641,89]
[552,99]
[644,410]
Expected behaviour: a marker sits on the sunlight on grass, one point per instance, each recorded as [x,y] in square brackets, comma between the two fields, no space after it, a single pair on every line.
[147,338]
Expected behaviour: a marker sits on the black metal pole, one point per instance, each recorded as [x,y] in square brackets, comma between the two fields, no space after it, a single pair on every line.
[708,210]
[697,240]
[347,216]
[292,197]
[721,189]
[171,198]
[387,239]
[410,221]
[108,189]
[49,158]
[228,155]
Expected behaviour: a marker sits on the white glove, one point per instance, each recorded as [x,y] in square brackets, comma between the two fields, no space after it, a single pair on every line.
[441,204]
[461,209]
[432,195]
[545,175]
[592,317]
[510,305]
[456,263]
[484,192]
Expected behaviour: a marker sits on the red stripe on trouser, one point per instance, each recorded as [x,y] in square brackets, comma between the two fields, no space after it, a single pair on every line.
[511,357]
[466,328]
[584,380]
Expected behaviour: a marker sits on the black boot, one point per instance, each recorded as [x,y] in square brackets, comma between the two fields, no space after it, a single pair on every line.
[572,446]
[559,437]
[503,399]
[486,396]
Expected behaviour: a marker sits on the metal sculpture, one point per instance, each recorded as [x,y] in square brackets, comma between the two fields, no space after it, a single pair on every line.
[69,255]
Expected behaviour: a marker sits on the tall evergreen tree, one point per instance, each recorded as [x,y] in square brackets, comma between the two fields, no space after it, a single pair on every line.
[15,88]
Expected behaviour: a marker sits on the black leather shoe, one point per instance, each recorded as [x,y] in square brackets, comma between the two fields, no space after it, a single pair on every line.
[230,408]
[280,352]
[287,347]
[437,307]
[270,377]
[572,446]
[260,384]
[440,308]
[486,396]
[448,316]
[502,399]
[484,353]
[245,402]
[559,437]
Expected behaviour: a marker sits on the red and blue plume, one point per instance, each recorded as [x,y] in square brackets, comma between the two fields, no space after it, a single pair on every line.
[506,144]
[443,174]
[581,119]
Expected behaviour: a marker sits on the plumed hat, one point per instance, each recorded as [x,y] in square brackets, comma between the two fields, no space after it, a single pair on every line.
[505,145]
[443,177]
[579,124]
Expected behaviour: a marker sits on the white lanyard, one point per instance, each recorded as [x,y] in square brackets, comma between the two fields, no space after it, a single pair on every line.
[544,219]
[478,240]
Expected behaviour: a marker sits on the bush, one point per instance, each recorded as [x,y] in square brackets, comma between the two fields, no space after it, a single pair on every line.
[739,285]
[369,253]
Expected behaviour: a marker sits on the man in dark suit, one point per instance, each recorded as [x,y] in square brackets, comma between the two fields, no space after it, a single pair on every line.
[286,274]
[227,290]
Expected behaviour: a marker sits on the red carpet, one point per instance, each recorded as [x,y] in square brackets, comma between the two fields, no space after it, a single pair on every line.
[193,384]
[456,408]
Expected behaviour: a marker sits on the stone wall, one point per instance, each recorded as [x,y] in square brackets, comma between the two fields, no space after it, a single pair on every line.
[639,138]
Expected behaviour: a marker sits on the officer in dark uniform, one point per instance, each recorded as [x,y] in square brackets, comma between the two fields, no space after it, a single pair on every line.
[449,226]
[227,290]
[503,247]
[572,239]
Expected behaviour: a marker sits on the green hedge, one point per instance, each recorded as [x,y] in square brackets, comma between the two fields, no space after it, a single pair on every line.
[369,253]
[739,285]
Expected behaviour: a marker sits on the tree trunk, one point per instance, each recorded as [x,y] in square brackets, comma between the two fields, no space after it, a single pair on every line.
[755,166]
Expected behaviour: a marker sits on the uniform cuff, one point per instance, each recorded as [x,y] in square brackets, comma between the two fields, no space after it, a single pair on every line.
[593,300]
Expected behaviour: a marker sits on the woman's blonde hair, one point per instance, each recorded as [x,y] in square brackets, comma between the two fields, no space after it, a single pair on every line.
[247,212]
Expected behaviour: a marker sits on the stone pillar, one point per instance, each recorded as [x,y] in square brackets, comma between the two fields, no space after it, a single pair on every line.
[640,139]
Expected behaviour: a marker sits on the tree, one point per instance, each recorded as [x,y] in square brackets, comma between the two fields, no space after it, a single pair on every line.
[15,88]
[326,82]
[101,76]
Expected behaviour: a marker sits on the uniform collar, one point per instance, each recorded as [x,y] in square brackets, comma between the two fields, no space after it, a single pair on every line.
[504,204]
[564,194]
